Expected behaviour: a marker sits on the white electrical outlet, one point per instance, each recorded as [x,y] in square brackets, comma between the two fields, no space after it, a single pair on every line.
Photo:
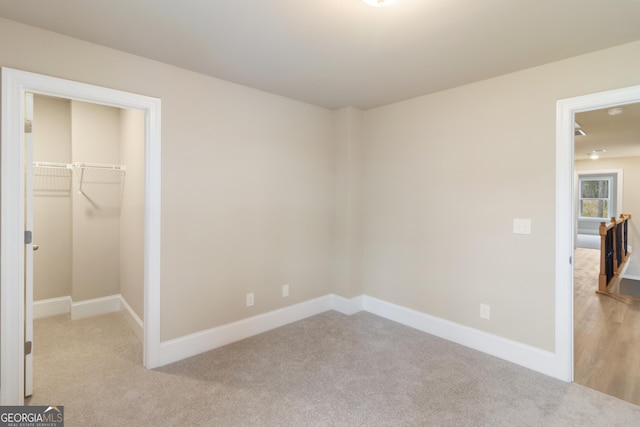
[250,299]
[285,291]
[485,311]
[521,226]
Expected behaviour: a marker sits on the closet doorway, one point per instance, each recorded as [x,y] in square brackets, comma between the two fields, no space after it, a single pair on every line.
[88,208]
[88,211]
[16,252]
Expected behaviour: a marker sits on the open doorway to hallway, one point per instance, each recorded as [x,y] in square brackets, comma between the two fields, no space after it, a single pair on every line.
[607,169]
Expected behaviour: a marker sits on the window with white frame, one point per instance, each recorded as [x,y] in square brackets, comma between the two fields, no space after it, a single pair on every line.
[596,197]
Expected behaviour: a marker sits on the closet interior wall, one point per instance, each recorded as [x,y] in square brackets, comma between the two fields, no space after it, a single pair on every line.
[90,242]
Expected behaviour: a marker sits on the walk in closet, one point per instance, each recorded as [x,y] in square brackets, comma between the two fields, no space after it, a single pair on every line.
[88,204]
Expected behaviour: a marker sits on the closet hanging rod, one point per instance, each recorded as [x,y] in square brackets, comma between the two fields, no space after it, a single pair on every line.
[100,166]
[52,165]
[80,165]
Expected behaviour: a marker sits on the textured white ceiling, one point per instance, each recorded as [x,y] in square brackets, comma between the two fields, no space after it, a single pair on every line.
[336,53]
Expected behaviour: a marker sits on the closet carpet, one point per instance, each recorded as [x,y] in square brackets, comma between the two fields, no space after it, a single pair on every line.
[327,370]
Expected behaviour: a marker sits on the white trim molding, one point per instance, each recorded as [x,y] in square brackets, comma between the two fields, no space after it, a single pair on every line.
[565,214]
[15,84]
[51,307]
[89,308]
[512,351]
[12,289]
[347,306]
[95,307]
[200,342]
[135,323]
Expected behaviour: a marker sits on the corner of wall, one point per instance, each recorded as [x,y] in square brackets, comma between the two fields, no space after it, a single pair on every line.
[347,267]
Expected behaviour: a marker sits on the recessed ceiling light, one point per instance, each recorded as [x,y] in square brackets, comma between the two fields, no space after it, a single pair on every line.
[595,154]
[615,111]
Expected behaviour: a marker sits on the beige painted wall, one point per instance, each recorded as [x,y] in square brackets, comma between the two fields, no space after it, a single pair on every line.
[630,198]
[95,136]
[249,188]
[132,210]
[52,199]
[247,181]
[446,174]
[347,280]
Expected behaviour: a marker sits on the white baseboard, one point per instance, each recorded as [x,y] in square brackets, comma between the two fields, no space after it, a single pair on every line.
[512,351]
[347,306]
[630,276]
[530,357]
[89,308]
[51,307]
[134,321]
[199,342]
[95,307]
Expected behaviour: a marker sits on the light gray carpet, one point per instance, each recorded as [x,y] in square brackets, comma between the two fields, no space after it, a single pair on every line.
[328,370]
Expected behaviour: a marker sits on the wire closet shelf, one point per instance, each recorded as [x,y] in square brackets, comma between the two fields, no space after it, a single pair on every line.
[52,177]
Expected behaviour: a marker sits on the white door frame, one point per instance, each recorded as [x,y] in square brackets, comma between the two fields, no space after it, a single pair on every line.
[565,212]
[28,253]
[14,85]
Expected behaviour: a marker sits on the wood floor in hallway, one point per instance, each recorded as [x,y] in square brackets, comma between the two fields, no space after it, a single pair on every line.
[606,334]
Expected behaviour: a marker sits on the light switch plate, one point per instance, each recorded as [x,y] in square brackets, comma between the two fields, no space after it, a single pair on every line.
[521,226]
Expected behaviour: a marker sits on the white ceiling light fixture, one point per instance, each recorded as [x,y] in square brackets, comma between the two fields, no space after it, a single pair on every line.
[379,3]
[615,111]
[595,154]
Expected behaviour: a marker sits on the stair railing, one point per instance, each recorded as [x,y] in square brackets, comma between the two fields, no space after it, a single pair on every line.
[614,250]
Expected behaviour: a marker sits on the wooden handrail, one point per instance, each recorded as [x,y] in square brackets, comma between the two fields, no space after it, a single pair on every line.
[614,251]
